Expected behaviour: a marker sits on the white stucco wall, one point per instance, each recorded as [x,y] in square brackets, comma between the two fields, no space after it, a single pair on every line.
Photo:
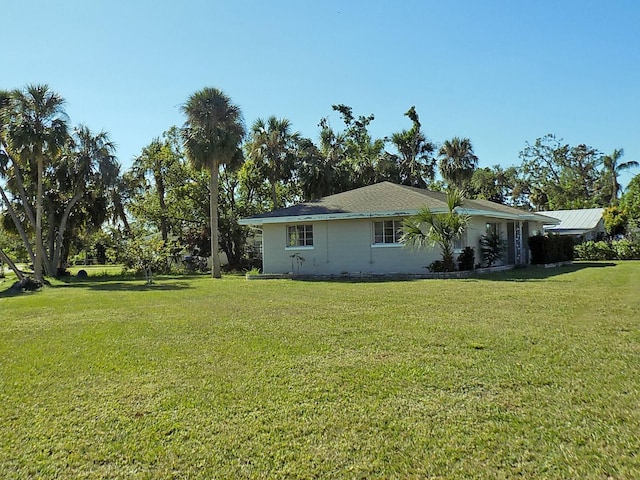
[346,246]
[340,246]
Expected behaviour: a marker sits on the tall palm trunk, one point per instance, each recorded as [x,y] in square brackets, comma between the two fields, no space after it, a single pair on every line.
[164,227]
[38,265]
[274,194]
[615,186]
[213,212]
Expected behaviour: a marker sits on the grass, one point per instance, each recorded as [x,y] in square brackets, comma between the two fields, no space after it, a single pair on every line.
[531,373]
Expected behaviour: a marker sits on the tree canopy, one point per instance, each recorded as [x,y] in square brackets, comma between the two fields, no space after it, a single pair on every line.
[188,187]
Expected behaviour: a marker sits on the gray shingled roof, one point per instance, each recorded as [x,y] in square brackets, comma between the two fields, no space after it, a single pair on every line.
[384,199]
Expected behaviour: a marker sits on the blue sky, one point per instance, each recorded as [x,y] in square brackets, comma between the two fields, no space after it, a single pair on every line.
[499,72]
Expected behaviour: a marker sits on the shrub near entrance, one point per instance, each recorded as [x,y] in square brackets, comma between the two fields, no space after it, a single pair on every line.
[550,249]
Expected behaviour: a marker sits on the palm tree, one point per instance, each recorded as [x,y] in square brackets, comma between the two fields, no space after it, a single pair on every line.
[414,151]
[272,148]
[457,162]
[11,171]
[87,171]
[38,129]
[323,168]
[212,133]
[5,100]
[614,169]
[442,229]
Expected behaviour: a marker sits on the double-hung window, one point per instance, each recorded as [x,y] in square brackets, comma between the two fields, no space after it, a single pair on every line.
[461,242]
[299,236]
[387,232]
[493,228]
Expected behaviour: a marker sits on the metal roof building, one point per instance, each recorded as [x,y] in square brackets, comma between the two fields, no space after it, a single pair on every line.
[584,222]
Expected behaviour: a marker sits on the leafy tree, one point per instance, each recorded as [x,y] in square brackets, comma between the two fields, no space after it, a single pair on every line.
[119,196]
[490,183]
[272,147]
[157,173]
[167,194]
[154,161]
[630,201]
[37,132]
[147,254]
[362,152]
[442,229]
[457,162]
[213,132]
[615,221]
[415,154]
[613,168]
[558,176]
[323,170]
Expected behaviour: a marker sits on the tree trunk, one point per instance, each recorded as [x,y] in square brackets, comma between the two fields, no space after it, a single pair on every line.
[213,212]
[23,196]
[38,265]
[55,257]
[48,248]
[12,265]
[274,194]
[164,229]
[18,224]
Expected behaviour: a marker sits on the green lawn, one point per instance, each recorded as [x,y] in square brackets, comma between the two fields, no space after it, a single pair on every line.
[532,373]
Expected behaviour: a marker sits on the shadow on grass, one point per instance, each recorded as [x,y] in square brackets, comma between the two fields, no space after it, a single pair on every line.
[133,286]
[130,283]
[8,293]
[540,273]
[526,274]
[114,283]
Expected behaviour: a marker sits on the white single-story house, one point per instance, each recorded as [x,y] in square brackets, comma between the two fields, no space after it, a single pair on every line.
[358,232]
[584,224]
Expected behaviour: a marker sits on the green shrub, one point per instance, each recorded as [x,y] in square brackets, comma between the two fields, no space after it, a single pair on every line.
[492,247]
[586,251]
[466,259]
[550,249]
[605,251]
[439,266]
[616,250]
[625,250]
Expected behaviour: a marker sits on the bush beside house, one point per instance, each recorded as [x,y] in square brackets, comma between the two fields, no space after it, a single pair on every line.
[550,249]
[615,250]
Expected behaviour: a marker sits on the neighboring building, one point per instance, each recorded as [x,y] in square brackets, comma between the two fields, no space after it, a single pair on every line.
[359,232]
[584,224]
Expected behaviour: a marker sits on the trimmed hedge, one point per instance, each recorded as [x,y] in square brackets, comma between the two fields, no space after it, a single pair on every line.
[550,249]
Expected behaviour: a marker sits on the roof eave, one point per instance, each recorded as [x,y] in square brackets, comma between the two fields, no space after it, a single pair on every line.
[323,217]
[257,221]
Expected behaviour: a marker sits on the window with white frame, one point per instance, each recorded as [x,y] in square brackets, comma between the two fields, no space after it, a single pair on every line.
[493,228]
[387,232]
[461,242]
[299,236]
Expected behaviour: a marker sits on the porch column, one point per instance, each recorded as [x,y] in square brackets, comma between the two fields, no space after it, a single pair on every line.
[517,238]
